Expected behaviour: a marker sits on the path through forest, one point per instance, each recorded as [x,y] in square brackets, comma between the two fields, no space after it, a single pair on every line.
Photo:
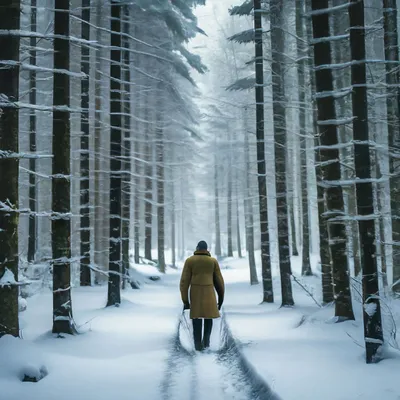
[135,351]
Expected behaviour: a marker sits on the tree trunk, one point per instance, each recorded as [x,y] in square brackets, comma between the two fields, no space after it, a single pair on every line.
[137,183]
[268,292]
[324,252]
[32,240]
[148,172]
[366,225]
[61,220]
[229,196]
[114,278]
[329,159]
[248,206]
[85,276]
[301,70]
[218,251]
[173,222]
[98,175]
[126,186]
[160,190]
[393,121]
[9,166]
[295,251]
[278,98]
[239,242]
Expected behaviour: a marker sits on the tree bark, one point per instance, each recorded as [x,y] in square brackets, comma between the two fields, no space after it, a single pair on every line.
[114,278]
[366,225]
[32,240]
[393,121]
[160,189]
[61,219]
[279,117]
[9,166]
[85,275]
[329,162]
[239,242]
[324,252]
[99,251]
[248,207]
[218,251]
[126,186]
[301,70]
[268,292]
[229,197]
[148,172]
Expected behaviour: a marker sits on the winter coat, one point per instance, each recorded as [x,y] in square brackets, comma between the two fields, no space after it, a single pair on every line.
[202,274]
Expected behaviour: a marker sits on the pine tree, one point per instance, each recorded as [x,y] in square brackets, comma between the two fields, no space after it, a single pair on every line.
[9,166]
[114,278]
[372,311]
[268,293]
[393,111]
[248,206]
[85,275]
[328,159]
[126,186]
[301,71]
[279,116]
[61,187]
[32,242]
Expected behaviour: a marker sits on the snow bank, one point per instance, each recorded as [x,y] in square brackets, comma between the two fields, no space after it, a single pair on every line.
[299,351]
[20,359]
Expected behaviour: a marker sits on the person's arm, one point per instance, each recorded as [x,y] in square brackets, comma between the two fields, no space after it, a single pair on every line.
[186,278]
[219,284]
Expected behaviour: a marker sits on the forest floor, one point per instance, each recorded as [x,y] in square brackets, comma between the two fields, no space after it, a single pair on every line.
[137,352]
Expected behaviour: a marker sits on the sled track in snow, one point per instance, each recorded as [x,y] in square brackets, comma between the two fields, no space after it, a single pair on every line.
[221,375]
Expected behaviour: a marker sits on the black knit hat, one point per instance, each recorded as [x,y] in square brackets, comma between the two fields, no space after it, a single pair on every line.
[202,245]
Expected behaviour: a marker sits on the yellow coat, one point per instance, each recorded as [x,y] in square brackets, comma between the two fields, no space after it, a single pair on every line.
[201,273]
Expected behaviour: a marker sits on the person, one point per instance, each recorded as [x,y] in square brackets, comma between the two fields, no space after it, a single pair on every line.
[201,273]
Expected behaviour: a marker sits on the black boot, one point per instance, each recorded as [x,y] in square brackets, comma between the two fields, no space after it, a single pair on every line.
[197,330]
[208,323]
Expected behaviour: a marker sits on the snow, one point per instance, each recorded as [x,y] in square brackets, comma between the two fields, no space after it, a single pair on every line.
[143,349]
[8,278]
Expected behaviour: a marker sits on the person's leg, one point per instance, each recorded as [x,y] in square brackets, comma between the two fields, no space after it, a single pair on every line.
[208,323]
[197,331]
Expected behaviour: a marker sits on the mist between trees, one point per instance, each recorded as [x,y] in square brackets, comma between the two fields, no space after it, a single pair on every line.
[289,145]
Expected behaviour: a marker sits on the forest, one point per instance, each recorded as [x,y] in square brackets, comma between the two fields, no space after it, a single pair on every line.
[132,129]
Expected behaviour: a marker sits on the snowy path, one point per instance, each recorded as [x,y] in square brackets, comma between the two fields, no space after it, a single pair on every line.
[133,351]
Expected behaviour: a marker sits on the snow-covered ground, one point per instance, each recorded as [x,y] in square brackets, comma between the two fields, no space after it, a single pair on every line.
[132,352]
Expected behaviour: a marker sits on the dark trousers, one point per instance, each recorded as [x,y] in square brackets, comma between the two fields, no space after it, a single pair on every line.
[202,341]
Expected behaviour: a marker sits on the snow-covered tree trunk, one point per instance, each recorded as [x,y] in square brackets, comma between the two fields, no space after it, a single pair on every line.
[279,117]
[32,242]
[324,253]
[100,258]
[393,124]
[229,196]
[148,183]
[114,278]
[268,292]
[61,175]
[10,11]
[238,239]
[301,70]
[160,182]
[248,205]
[85,263]
[329,164]
[371,304]
[126,175]
[218,250]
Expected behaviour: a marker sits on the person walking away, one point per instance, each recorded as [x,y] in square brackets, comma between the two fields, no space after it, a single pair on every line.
[201,273]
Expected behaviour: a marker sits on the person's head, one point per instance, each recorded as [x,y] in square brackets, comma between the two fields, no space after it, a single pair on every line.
[202,245]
